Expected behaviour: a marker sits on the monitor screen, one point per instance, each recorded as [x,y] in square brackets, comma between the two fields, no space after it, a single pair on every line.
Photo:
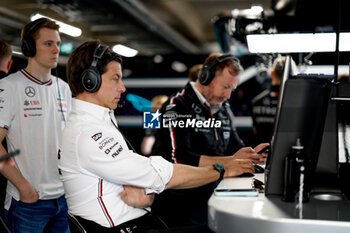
[301,114]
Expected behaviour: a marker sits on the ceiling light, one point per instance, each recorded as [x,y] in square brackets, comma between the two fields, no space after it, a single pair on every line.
[293,43]
[251,13]
[64,28]
[344,39]
[178,66]
[158,59]
[124,51]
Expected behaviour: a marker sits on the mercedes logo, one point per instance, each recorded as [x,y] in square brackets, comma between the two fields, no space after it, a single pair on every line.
[30,91]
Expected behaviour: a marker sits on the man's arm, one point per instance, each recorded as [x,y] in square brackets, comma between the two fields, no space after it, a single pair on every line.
[27,192]
[243,153]
[185,176]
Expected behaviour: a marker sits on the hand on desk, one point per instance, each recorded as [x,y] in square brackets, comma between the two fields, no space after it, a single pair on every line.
[238,166]
[252,154]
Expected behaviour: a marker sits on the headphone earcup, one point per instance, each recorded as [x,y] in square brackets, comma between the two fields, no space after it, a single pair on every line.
[204,76]
[91,80]
[28,47]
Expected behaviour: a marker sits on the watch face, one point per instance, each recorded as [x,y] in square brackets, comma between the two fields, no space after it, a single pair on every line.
[219,166]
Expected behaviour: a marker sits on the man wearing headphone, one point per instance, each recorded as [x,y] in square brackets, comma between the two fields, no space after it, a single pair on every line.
[96,165]
[34,105]
[210,138]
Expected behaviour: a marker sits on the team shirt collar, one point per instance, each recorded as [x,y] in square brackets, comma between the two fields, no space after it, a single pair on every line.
[35,80]
[213,108]
[94,110]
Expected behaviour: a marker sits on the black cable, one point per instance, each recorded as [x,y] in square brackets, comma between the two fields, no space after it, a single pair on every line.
[59,95]
[3,223]
[157,217]
[127,142]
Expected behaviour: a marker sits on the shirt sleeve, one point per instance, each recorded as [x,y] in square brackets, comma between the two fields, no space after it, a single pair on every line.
[109,158]
[7,95]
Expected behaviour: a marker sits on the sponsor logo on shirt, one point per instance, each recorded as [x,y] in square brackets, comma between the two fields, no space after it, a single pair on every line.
[32,115]
[105,142]
[29,91]
[96,136]
[116,153]
[1,99]
[169,106]
[31,102]
[110,148]
[32,105]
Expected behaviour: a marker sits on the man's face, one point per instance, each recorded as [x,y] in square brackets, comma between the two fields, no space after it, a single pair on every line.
[47,48]
[111,87]
[221,86]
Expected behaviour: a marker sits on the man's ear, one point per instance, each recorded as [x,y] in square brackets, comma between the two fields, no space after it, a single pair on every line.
[272,73]
[9,64]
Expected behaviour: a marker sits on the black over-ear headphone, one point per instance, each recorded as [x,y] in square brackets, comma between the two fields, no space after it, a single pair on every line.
[91,78]
[207,73]
[28,43]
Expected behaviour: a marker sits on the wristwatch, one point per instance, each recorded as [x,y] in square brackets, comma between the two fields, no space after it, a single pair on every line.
[220,168]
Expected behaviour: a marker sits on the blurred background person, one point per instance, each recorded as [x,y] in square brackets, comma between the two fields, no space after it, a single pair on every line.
[5,66]
[344,77]
[264,105]
[149,138]
[193,72]
[5,58]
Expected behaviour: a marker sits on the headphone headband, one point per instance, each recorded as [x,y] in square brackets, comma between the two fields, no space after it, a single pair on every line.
[207,73]
[98,53]
[91,77]
[28,43]
[35,24]
[221,59]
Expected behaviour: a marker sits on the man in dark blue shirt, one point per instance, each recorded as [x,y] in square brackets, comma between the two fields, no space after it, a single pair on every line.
[198,130]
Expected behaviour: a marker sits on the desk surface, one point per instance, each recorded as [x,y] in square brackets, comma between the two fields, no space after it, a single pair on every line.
[272,215]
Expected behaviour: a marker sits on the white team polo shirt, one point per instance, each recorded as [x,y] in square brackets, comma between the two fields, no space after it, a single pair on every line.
[30,110]
[95,162]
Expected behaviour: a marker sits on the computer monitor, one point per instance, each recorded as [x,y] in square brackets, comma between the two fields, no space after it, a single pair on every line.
[301,114]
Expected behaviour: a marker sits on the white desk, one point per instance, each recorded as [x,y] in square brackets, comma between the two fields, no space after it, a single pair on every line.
[272,215]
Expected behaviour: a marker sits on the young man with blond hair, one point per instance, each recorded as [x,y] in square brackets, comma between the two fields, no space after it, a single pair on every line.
[34,107]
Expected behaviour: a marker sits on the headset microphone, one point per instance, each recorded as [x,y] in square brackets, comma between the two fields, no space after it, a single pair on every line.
[121,103]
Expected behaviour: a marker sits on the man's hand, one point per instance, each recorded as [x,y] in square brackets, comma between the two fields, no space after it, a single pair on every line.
[252,154]
[238,166]
[28,194]
[263,155]
[136,197]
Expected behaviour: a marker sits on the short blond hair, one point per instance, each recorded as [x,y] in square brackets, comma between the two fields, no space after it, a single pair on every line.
[158,101]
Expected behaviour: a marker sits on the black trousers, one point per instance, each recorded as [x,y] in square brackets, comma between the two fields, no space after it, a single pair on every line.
[148,223]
